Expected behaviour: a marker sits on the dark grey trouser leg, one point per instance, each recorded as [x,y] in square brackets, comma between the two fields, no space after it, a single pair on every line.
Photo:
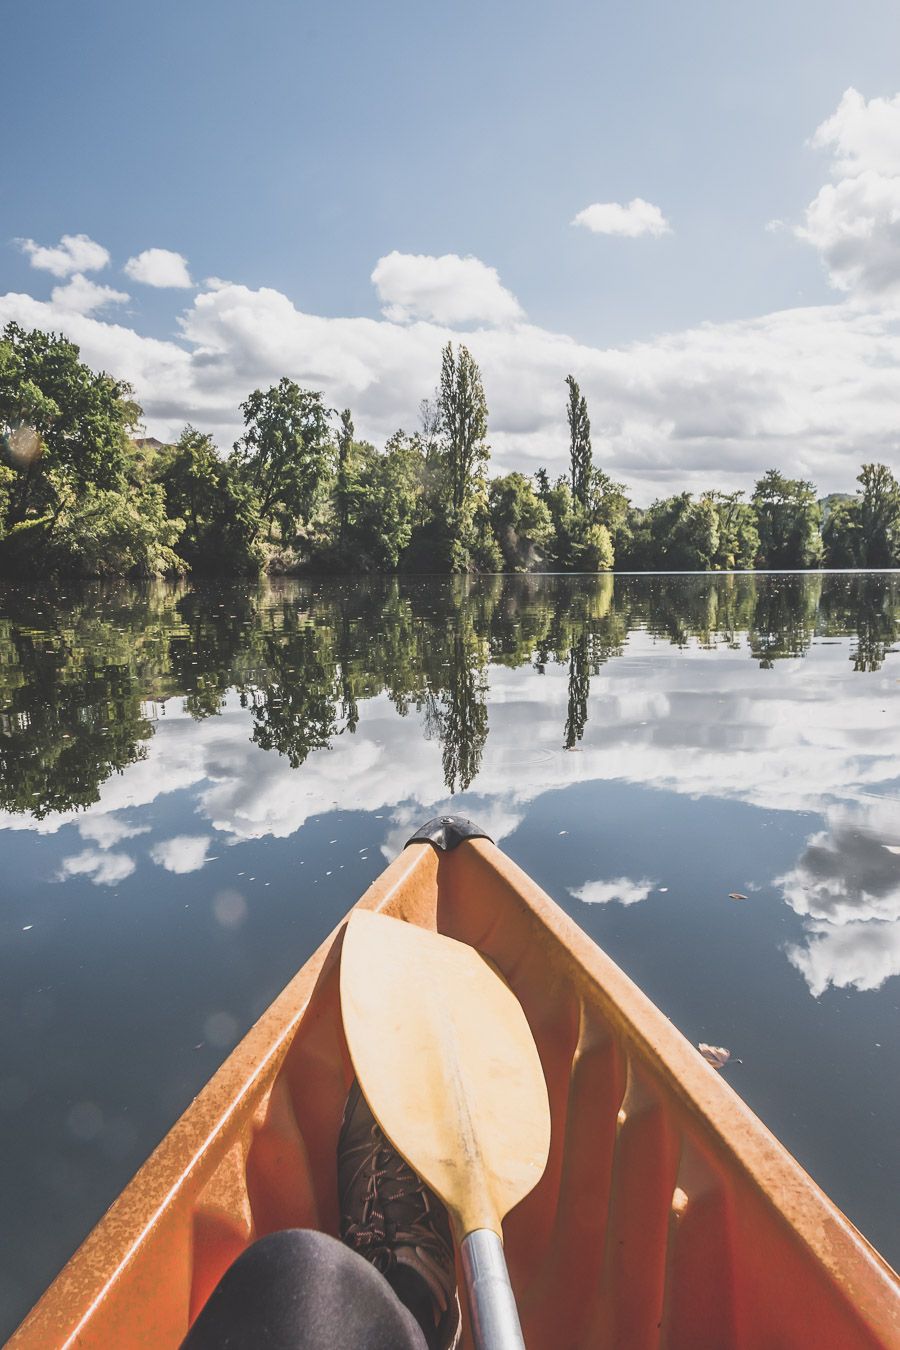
[302,1290]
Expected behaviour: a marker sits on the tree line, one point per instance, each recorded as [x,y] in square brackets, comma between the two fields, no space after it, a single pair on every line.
[81,492]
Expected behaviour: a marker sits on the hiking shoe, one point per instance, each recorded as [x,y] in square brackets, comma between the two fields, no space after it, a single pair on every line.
[391,1218]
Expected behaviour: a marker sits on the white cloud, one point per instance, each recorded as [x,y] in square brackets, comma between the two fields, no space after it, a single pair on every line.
[716,405]
[622,890]
[107,830]
[184,853]
[631,221]
[104,869]
[73,253]
[862,135]
[159,267]
[80,295]
[445,290]
[813,388]
[854,223]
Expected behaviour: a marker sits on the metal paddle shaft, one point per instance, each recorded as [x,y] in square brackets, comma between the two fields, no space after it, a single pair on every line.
[492,1304]
[447,1062]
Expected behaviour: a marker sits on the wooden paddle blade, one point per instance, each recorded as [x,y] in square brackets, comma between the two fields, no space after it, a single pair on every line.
[447,1062]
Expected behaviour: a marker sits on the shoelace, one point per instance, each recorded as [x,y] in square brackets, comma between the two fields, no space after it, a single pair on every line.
[369,1235]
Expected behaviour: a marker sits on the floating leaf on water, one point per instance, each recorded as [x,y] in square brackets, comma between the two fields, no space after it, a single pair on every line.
[716,1055]
[736,895]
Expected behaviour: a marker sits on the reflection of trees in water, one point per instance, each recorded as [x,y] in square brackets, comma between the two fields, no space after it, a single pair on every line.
[77,673]
[292,696]
[710,609]
[457,716]
[866,606]
[579,690]
[71,692]
[784,619]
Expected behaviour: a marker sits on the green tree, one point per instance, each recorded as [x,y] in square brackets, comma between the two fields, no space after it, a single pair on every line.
[217,506]
[841,534]
[344,445]
[677,534]
[577,543]
[383,491]
[284,454]
[63,427]
[520,521]
[464,422]
[562,544]
[788,519]
[580,454]
[115,533]
[879,516]
[738,543]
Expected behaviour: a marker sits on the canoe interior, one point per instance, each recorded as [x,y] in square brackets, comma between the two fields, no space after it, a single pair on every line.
[668,1216]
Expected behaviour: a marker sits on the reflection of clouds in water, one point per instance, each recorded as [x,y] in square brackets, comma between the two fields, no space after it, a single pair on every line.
[107,830]
[847,884]
[621,890]
[862,955]
[700,723]
[104,869]
[184,853]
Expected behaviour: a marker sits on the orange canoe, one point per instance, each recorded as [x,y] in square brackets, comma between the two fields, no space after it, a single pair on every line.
[668,1215]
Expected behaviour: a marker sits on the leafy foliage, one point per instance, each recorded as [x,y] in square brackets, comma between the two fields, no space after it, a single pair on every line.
[300,492]
[520,521]
[285,453]
[64,436]
[788,519]
[216,504]
[580,453]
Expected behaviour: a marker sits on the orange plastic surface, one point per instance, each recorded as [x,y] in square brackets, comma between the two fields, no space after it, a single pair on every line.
[668,1216]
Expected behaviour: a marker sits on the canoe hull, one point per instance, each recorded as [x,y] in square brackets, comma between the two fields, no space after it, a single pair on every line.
[668,1215]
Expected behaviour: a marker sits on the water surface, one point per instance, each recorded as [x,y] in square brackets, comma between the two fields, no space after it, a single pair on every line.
[196,783]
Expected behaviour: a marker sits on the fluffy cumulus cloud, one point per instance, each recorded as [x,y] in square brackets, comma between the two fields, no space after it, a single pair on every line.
[854,222]
[621,891]
[159,267]
[446,290]
[80,295]
[813,389]
[73,253]
[631,221]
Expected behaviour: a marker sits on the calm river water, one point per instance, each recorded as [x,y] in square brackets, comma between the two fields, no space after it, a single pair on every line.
[196,783]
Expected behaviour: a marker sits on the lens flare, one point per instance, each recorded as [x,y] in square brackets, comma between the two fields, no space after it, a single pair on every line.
[24,445]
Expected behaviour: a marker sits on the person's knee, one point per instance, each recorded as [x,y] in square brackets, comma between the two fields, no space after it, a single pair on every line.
[299,1288]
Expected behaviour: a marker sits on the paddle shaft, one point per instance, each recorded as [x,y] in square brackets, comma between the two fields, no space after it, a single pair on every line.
[446,1058]
[492,1305]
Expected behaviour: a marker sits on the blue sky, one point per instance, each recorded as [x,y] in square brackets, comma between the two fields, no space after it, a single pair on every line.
[286,149]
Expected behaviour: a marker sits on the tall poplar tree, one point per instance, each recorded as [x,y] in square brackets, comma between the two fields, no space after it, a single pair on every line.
[463,410]
[344,443]
[579,442]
